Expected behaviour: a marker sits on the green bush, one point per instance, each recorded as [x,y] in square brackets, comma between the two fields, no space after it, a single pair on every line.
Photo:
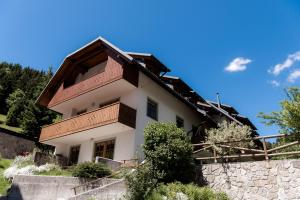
[141,182]
[169,151]
[91,170]
[193,192]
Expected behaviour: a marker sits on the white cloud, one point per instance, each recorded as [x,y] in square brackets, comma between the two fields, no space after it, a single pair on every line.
[238,64]
[289,62]
[275,83]
[293,76]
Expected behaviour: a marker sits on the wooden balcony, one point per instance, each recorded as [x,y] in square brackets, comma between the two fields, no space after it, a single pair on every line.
[114,113]
[114,71]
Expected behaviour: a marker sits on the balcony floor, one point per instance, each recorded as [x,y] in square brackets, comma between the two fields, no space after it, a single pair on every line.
[107,92]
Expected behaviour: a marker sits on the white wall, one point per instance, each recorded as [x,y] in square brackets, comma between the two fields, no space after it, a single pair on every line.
[168,108]
[129,145]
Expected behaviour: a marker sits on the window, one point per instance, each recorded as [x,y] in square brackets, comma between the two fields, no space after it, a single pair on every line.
[74,154]
[105,149]
[152,109]
[179,122]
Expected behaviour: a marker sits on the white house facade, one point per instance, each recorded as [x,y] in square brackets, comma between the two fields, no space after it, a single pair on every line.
[107,96]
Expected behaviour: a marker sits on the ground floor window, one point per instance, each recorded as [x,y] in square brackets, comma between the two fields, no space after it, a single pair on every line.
[105,149]
[74,154]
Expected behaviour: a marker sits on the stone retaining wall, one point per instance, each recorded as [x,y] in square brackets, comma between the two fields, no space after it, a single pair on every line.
[263,180]
[13,144]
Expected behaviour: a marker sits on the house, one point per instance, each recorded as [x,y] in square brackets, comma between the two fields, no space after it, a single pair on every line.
[107,96]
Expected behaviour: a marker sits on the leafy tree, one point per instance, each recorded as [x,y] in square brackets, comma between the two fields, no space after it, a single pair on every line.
[229,132]
[169,152]
[34,117]
[16,103]
[288,117]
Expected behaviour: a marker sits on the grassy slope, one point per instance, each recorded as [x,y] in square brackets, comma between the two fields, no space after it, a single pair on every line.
[56,172]
[4,184]
[3,125]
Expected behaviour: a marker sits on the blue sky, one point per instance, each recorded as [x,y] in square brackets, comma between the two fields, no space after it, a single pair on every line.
[256,41]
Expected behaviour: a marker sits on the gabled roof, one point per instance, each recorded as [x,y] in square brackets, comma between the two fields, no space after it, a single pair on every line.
[97,45]
[147,57]
[150,66]
[90,48]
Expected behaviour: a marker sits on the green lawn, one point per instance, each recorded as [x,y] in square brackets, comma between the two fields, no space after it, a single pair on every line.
[4,184]
[3,125]
[56,172]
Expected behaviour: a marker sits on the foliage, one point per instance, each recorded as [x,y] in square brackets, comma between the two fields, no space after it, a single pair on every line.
[4,126]
[20,87]
[15,102]
[289,116]
[191,191]
[283,141]
[55,171]
[141,182]
[168,158]
[4,183]
[25,165]
[229,132]
[91,170]
[169,152]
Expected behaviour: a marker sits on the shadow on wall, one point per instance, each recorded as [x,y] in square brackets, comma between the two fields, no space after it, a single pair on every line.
[13,193]
[200,179]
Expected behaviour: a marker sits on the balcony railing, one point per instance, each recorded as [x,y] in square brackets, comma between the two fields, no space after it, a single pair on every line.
[113,113]
[113,71]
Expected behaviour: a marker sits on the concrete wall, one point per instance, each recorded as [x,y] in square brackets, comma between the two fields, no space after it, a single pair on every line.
[262,180]
[42,187]
[12,145]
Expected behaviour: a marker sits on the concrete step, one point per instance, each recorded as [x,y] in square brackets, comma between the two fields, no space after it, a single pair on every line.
[112,191]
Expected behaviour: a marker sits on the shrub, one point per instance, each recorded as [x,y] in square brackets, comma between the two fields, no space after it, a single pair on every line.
[169,152]
[140,182]
[229,132]
[192,192]
[91,170]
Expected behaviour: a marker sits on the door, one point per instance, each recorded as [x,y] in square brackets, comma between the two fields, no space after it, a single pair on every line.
[74,154]
[105,149]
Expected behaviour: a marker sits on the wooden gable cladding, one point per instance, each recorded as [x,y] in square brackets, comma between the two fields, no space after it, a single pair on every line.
[115,69]
[113,113]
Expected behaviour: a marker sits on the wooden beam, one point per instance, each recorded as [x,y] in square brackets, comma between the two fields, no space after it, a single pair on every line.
[242,148]
[284,146]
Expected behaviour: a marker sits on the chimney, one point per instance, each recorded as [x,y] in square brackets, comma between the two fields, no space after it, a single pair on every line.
[218,100]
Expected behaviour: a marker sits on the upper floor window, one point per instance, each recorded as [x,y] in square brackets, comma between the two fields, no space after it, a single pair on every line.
[152,109]
[179,122]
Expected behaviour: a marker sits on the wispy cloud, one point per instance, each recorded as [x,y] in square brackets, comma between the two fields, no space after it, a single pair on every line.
[238,64]
[289,62]
[275,83]
[293,76]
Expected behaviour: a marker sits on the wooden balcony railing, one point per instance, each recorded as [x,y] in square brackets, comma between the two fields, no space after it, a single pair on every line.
[113,71]
[113,113]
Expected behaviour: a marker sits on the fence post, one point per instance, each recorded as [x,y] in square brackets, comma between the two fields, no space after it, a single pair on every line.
[265,149]
[215,155]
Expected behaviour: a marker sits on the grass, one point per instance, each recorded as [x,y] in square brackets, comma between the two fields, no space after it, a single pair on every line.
[56,172]
[4,184]
[11,128]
